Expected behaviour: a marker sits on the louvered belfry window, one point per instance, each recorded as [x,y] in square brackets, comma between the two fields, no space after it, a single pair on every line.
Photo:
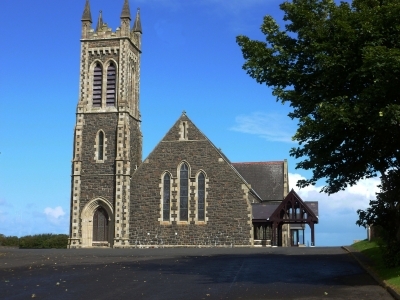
[201,197]
[97,85]
[111,85]
[184,193]
[166,197]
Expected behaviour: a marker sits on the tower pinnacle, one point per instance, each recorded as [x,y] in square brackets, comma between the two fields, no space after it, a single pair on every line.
[100,22]
[126,12]
[137,26]
[87,16]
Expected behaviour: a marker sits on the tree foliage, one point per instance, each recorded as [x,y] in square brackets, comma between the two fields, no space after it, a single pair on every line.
[44,241]
[384,212]
[338,66]
[9,241]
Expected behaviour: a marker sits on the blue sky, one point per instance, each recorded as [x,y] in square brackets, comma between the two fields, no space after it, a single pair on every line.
[190,62]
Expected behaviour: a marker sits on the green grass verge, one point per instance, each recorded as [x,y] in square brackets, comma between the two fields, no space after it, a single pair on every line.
[373,251]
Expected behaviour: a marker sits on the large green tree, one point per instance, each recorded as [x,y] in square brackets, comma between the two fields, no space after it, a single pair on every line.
[384,214]
[338,66]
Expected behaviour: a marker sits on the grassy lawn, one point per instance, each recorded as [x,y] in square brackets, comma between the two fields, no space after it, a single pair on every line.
[372,250]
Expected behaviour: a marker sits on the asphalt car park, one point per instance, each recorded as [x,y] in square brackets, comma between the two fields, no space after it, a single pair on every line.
[185,273]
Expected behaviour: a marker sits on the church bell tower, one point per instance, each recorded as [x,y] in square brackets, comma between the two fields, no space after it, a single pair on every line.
[107,136]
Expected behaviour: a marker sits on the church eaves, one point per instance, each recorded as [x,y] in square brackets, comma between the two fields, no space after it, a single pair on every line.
[87,15]
[126,12]
[137,26]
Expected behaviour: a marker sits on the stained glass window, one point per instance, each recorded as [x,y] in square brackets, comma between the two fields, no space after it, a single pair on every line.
[184,193]
[166,197]
[201,197]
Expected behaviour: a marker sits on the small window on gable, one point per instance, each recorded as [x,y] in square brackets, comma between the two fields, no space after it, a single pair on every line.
[100,146]
[201,189]
[183,131]
[97,85]
[111,85]
[184,193]
[166,197]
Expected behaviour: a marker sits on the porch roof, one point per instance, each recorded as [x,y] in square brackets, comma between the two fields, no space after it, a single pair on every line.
[276,211]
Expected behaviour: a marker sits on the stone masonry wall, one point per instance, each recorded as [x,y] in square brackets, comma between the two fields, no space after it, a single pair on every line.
[227,209]
[98,178]
[135,144]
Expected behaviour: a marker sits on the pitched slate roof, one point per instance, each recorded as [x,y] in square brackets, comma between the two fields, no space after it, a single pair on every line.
[262,211]
[266,210]
[266,178]
[313,205]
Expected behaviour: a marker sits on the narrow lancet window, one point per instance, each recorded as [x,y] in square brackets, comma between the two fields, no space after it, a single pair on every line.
[184,193]
[111,85]
[201,197]
[166,197]
[100,146]
[97,85]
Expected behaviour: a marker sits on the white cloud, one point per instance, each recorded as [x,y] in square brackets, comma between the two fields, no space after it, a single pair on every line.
[54,215]
[353,198]
[338,212]
[272,127]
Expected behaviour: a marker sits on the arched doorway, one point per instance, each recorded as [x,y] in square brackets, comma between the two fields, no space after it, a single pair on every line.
[100,225]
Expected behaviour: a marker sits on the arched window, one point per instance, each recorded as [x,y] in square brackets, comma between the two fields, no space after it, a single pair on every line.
[111,85]
[133,91]
[100,146]
[166,197]
[201,188]
[184,193]
[97,85]
[100,225]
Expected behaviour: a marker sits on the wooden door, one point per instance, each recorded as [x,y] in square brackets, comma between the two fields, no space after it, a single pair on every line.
[100,225]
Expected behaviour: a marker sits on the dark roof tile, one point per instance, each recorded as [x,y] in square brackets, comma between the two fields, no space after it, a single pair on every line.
[266,178]
[262,211]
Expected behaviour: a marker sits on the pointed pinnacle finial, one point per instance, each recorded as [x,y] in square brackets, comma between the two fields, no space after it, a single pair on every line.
[137,26]
[87,16]
[126,11]
[100,21]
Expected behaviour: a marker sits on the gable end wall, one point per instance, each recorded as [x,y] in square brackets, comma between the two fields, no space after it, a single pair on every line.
[227,205]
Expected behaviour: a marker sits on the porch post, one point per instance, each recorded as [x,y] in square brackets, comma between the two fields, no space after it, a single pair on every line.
[312,234]
[274,235]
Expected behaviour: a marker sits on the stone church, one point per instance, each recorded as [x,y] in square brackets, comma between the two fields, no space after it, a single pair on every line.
[186,193]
